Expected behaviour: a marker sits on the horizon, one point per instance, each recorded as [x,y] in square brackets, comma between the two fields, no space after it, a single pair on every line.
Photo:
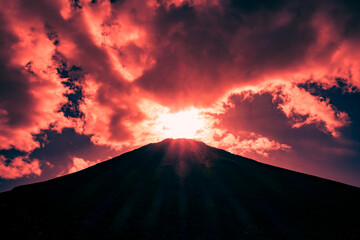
[84,81]
[182,189]
[182,140]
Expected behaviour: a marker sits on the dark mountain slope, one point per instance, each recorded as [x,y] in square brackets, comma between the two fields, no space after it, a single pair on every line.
[182,189]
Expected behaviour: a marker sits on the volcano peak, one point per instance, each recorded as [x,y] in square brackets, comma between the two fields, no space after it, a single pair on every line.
[182,189]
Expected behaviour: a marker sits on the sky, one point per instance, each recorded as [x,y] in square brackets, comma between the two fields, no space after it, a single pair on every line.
[84,81]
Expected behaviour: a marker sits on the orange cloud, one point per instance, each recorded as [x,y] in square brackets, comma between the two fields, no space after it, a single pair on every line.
[32,92]
[303,108]
[18,168]
[80,164]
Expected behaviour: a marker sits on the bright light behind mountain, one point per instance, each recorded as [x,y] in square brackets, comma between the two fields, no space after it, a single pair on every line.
[184,124]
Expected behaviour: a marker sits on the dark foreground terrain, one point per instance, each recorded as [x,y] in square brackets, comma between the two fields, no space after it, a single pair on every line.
[182,189]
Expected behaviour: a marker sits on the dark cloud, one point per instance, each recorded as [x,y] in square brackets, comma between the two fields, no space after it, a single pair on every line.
[61,147]
[12,153]
[199,47]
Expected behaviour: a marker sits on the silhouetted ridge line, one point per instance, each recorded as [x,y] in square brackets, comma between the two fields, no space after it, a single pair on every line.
[182,189]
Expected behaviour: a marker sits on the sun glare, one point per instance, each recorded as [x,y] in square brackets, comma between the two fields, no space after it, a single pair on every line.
[184,124]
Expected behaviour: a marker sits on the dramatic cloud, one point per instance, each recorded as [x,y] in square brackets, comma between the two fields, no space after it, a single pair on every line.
[18,168]
[246,143]
[268,80]
[80,164]
[304,108]
[30,91]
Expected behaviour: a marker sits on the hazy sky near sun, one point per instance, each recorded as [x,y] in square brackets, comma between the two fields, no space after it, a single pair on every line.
[83,81]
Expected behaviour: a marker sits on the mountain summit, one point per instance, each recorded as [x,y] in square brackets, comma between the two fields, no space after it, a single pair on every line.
[182,189]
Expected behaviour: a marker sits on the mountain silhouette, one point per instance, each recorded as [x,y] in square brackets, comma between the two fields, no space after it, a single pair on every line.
[182,189]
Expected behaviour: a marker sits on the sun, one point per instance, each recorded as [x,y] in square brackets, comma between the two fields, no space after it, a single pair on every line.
[183,124]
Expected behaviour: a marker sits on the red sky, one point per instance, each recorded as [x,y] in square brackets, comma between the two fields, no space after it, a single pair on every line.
[82,81]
